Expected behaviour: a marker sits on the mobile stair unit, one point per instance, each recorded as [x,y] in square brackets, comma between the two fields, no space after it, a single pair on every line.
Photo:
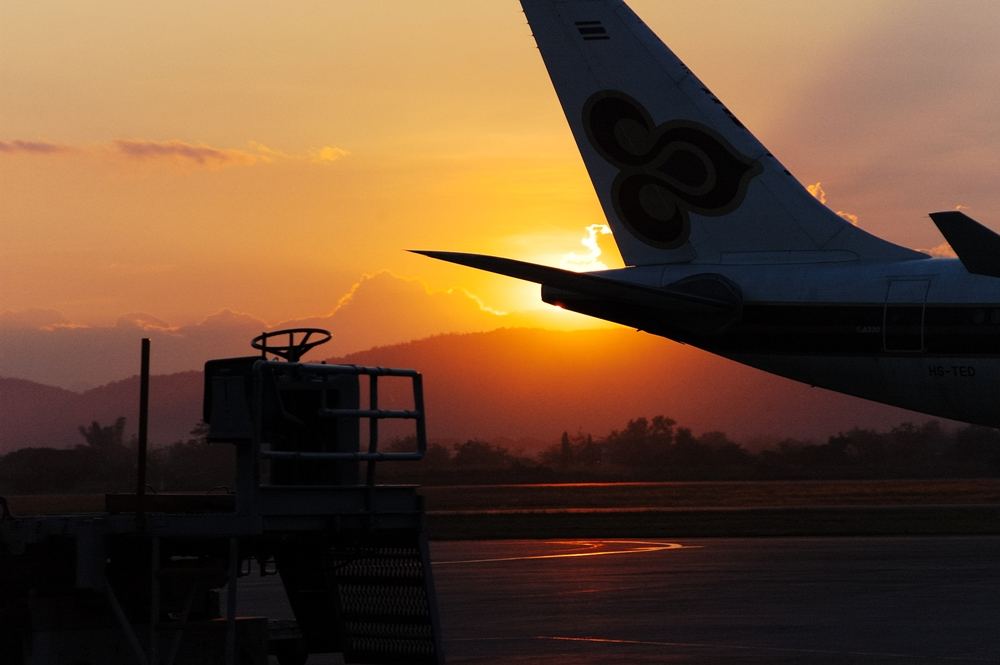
[155,580]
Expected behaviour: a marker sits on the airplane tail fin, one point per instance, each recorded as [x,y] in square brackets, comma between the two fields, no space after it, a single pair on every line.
[679,176]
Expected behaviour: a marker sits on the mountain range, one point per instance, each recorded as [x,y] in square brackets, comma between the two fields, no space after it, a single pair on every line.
[46,347]
[513,386]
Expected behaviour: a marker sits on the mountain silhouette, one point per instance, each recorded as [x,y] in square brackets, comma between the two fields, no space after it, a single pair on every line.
[510,385]
[526,384]
[32,414]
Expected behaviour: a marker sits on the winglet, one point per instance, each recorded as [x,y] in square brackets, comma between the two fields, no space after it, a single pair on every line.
[977,247]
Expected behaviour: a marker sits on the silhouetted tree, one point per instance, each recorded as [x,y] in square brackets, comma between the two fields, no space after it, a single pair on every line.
[645,449]
[35,470]
[104,438]
[195,464]
[976,451]
[565,452]
[105,459]
[642,443]
[475,454]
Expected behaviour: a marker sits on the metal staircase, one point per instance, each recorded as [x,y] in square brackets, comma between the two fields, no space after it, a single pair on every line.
[370,600]
[359,578]
[153,580]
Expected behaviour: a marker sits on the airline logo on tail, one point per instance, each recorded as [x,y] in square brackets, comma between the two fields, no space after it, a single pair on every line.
[666,171]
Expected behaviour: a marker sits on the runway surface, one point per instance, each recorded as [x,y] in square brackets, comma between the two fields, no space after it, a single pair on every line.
[780,600]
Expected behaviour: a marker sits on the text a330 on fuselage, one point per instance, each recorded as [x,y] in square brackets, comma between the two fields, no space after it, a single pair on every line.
[725,250]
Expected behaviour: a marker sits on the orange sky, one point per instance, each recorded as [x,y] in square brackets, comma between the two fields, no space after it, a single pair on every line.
[185,157]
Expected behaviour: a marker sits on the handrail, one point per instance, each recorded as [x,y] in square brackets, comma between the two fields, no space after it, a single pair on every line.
[368,370]
[370,413]
[373,413]
[330,457]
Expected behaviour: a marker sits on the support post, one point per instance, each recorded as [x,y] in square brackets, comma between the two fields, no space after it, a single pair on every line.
[126,627]
[154,599]
[140,476]
[372,429]
[234,562]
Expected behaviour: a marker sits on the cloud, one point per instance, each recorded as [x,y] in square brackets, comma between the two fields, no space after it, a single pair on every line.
[324,155]
[942,251]
[327,154]
[384,308]
[268,154]
[849,216]
[819,194]
[44,347]
[202,155]
[210,156]
[181,152]
[384,285]
[590,260]
[230,319]
[144,322]
[18,146]
[32,318]
[817,191]
[380,309]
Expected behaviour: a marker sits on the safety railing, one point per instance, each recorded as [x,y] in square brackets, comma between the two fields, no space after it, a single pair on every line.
[373,413]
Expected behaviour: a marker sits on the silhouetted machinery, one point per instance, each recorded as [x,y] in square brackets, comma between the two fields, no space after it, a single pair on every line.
[155,579]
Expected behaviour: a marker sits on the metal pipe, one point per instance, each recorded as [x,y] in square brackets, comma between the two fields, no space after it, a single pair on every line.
[418,406]
[154,598]
[123,623]
[234,562]
[376,413]
[358,369]
[140,480]
[332,457]
[369,413]
[175,642]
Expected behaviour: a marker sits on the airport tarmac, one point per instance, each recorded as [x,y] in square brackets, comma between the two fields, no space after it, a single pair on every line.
[768,600]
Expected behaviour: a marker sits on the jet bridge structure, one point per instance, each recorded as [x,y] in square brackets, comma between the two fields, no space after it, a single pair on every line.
[155,579]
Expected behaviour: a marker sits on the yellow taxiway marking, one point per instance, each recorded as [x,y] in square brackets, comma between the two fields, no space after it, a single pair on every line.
[592,547]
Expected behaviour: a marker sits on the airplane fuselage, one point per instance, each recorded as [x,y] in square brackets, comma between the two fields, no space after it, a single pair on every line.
[922,335]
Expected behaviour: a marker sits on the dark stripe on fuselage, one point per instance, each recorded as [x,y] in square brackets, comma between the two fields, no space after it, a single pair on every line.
[829,329]
[835,329]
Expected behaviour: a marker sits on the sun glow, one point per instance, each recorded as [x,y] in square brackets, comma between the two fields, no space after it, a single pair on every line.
[591,259]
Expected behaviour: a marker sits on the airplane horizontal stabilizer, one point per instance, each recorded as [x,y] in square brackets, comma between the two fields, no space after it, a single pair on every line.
[690,306]
[977,247]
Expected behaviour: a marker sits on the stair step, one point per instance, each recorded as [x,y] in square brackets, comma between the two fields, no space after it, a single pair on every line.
[369,600]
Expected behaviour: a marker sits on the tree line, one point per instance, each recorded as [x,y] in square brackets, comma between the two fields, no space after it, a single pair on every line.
[653,449]
[106,462]
[657,449]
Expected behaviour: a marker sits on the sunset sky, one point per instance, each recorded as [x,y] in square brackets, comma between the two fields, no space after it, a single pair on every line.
[182,158]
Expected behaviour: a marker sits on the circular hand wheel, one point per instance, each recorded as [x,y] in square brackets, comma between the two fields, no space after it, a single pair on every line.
[293,350]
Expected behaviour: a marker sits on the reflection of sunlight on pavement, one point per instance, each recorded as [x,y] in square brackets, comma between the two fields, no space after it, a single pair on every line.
[584,548]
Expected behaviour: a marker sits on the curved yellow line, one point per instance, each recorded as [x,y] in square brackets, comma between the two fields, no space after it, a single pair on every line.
[642,546]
